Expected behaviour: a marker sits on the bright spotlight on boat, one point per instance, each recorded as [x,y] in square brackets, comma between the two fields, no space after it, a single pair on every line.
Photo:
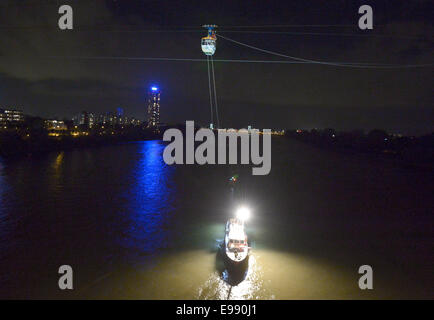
[243,213]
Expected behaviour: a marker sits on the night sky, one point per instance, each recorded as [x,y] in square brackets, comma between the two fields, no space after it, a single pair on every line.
[40,71]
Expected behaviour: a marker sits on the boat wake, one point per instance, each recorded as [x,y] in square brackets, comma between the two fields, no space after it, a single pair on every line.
[224,284]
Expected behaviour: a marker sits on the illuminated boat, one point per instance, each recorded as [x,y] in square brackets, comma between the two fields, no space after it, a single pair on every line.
[236,244]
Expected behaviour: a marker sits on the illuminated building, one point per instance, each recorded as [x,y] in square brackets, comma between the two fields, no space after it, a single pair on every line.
[92,120]
[154,108]
[106,118]
[84,119]
[89,120]
[56,125]
[120,112]
[11,116]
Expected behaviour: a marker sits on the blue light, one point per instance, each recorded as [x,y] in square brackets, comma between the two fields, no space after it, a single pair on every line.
[154,88]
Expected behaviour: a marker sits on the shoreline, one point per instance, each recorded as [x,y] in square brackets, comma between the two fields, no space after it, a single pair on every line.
[16,147]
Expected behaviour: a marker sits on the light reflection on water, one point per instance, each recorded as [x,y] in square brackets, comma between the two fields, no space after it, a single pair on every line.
[193,275]
[219,285]
[136,228]
[202,274]
[2,187]
[4,197]
[149,197]
[57,172]
[2,206]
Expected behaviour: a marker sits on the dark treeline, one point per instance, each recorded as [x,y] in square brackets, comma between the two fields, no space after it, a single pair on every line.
[25,141]
[413,150]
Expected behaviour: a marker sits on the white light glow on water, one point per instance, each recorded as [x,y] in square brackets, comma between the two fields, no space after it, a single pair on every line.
[196,275]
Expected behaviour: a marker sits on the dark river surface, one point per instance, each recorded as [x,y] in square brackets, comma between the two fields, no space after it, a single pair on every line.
[132,227]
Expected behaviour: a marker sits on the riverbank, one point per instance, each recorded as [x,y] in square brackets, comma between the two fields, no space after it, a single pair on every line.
[412,152]
[15,144]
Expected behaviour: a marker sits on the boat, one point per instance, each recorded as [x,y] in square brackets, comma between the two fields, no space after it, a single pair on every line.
[236,246]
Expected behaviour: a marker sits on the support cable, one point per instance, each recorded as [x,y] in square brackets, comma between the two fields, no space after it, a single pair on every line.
[215,93]
[345,64]
[337,64]
[209,87]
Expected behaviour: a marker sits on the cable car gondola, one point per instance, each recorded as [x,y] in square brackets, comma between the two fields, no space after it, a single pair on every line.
[208,43]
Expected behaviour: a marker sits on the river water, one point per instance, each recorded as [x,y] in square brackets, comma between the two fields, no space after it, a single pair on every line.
[132,227]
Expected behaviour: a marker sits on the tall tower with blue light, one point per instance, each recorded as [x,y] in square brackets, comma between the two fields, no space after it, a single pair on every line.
[154,107]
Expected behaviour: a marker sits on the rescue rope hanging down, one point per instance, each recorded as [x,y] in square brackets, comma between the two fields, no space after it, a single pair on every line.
[208,45]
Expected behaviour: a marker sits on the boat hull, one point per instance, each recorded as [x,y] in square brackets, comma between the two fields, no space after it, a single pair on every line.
[236,250]
[236,263]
